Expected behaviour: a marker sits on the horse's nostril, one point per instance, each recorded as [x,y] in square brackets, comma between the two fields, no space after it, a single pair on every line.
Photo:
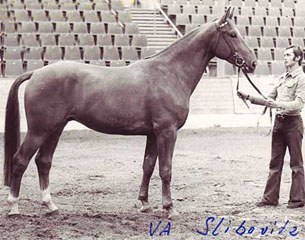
[254,63]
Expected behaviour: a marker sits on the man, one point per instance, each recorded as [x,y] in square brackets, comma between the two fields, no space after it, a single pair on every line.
[288,97]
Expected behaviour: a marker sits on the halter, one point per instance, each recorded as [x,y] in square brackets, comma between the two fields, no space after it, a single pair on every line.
[240,63]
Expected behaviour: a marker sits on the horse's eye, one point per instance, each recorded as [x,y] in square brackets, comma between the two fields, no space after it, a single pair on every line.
[233,35]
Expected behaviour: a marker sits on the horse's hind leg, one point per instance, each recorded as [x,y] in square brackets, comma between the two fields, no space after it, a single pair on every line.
[149,163]
[21,160]
[44,161]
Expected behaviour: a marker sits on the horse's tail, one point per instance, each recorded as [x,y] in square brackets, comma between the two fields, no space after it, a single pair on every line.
[12,127]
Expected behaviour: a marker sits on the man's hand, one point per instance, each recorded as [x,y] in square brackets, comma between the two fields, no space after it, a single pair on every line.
[242,95]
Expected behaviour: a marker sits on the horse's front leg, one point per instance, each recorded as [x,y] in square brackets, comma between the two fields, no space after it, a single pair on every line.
[166,139]
[149,163]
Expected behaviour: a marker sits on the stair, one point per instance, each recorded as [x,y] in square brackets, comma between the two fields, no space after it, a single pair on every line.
[152,24]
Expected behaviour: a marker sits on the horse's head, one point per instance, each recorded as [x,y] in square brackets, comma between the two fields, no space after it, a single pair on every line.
[230,45]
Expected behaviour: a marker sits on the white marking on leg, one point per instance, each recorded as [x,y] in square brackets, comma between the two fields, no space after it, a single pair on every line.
[47,200]
[13,204]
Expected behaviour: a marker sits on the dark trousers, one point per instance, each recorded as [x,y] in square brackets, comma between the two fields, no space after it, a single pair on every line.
[287,132]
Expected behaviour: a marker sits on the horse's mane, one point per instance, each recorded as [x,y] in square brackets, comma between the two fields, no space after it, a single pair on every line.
[188,35]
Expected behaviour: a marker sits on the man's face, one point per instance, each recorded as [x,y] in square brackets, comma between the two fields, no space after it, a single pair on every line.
[289,58]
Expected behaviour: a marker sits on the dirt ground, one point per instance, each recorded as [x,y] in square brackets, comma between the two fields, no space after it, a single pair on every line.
[218,176]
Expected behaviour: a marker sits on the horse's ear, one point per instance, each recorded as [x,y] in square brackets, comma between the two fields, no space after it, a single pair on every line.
[228,14]
[231,13]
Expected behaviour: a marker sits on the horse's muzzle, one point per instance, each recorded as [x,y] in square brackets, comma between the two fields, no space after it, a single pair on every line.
[251,68]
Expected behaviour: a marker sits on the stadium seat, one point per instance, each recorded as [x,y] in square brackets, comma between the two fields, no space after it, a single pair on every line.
[124,17]
[73,16]
[21,15]
[72,53]
[80,28]
[250,3]
[139,41]
[254,31]
[284,31]
[236,3]
[242,30]
[33,6]
[121,40]
[208,2]
[131,28]
[85,6]
[45,27]
[260,11]
[98,62]
[129,53]
[34,64]
[108,18]
[246,11]
[272,21]
[267,42]
[91,53]
[285,21]
[274,11]
[182,20]
[262,68]
[50,6]
[29,40]
[197,19]
[47,39]
[26,27]
[288,11]
[114,28]
[103,40]
[67,6]
[263,3]
[251,41]
[56,16]
[91,16]
[242,20]
[9,27]
[276,3]
[277,68]
[101,6]
[97,28]
[204,9]
[147,52]
[15,6]
[66,39]
[195,2]
[289,4]
[279,54]
[39,16]
[190,27]
[85,40]
[12,53]
[282,42]
[117,5]
[299,21]
[269,31]
[188,9]
[53,53]
[117,63]
[63,27]
[13,68]
[298,41]
[33,53]
[264,54]
[257,21]
[181,2]
[10,39]
[110,53]
[173,10]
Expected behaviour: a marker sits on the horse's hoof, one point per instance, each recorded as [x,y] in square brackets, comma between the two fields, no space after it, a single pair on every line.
[52,213]
[172,214]
[146,209]
[13,215]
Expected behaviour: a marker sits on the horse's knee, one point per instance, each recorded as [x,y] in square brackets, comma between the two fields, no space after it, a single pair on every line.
[43,163]
[166,175]
[19,165]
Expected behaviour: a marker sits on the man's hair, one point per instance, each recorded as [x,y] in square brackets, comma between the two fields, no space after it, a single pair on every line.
[298,52]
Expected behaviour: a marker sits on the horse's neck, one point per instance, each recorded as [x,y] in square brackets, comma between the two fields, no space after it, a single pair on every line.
[190,56]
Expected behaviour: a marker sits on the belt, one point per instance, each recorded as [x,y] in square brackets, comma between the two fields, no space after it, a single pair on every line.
[285,116]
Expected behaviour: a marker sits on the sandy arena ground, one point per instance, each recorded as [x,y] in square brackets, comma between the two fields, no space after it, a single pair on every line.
[218,175]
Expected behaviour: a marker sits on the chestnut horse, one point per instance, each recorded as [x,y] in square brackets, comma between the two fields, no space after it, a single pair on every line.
[149,97]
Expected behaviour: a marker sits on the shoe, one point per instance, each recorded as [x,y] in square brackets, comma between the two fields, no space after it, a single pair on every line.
[264,204]
[295,205]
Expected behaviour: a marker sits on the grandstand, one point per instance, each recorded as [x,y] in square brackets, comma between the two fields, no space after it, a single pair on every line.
[35,33]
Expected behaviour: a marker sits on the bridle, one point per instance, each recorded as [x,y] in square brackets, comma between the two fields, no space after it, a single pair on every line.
[240,63]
